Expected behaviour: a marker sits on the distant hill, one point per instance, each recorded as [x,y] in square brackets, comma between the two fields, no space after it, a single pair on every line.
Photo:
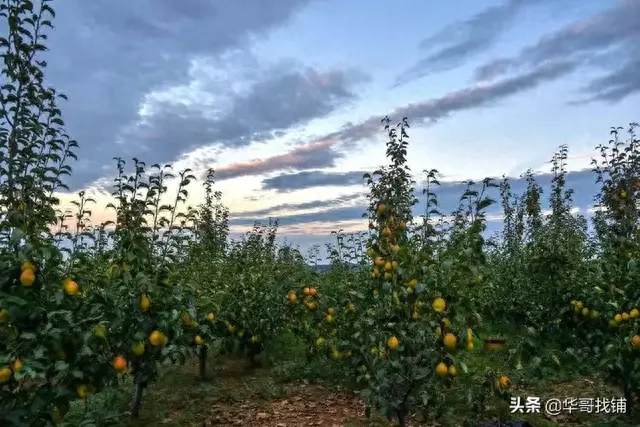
[321,267]
[326,267]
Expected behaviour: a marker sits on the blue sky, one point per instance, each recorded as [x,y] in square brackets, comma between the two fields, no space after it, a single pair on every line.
[284,99]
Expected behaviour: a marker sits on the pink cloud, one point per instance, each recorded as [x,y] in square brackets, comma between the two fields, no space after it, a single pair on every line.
[313,155]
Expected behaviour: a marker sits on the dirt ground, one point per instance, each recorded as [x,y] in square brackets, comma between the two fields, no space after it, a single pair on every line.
[308,405]
[234,395]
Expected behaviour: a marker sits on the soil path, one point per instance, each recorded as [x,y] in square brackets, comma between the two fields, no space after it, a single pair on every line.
[307,405]
[235,395]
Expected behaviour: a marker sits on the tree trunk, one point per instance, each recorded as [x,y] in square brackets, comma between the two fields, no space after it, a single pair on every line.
[628,395]
[137,400]
[203,362]
[401,418]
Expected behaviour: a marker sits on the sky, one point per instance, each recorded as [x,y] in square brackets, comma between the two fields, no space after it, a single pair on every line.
[283,99]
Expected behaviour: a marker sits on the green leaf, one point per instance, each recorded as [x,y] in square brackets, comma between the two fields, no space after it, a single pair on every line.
[61,365]
[28,336]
